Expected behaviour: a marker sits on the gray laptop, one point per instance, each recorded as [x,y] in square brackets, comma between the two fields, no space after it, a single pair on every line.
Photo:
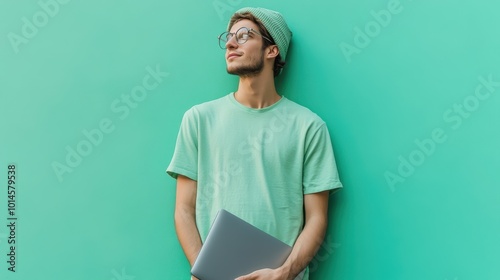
[234,248]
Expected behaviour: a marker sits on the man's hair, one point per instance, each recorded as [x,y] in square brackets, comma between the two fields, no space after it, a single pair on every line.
[278,63]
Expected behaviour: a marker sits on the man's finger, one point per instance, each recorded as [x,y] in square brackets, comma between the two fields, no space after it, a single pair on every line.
[244,277]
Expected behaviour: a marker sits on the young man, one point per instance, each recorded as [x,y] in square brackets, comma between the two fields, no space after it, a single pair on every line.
[255,153]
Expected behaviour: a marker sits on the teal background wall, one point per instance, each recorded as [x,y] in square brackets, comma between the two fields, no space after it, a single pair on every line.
[92,94]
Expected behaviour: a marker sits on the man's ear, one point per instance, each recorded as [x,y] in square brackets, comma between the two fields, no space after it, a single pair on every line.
[272,51]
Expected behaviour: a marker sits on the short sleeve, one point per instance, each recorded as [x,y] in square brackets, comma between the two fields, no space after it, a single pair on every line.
[185,158]
[320,169]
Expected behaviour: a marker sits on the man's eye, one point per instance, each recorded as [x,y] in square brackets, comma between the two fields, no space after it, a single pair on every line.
[243,36]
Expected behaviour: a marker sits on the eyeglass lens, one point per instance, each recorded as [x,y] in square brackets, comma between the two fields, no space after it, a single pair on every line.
[241,37]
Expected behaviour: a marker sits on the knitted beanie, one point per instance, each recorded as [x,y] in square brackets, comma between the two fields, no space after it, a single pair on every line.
[275,25]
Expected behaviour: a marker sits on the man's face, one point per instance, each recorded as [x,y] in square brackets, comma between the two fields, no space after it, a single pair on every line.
[246,59]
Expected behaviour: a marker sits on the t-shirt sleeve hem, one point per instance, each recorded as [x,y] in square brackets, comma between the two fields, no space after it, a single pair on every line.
[174,172]
[333,188]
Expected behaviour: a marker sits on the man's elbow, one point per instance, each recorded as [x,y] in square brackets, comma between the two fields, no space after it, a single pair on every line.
[183,213]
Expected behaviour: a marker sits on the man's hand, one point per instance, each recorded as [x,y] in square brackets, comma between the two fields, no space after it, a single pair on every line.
[264,274]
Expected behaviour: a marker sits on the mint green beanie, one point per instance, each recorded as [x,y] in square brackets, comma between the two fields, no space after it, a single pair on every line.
[275,25]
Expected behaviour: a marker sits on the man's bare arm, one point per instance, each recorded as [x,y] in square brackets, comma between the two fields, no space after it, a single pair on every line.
[185,214]
[309,241]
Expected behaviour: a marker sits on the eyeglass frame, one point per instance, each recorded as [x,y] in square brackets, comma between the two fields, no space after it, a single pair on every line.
[234,33]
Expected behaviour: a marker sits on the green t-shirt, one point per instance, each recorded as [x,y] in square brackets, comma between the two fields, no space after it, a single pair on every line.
[256,163]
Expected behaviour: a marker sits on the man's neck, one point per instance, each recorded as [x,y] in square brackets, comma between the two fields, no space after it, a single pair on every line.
[257,92]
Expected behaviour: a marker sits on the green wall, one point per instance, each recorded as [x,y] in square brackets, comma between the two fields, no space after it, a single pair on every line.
[92,94]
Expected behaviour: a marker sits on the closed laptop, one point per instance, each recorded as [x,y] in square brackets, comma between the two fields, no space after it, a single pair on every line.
[234,248]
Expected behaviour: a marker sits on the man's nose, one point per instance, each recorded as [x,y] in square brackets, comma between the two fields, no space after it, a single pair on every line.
[231,43]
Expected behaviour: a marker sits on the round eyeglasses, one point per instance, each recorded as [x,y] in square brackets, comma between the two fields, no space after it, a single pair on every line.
[242,36]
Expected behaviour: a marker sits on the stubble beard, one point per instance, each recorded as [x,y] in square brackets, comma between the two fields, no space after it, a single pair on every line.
[249,70]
